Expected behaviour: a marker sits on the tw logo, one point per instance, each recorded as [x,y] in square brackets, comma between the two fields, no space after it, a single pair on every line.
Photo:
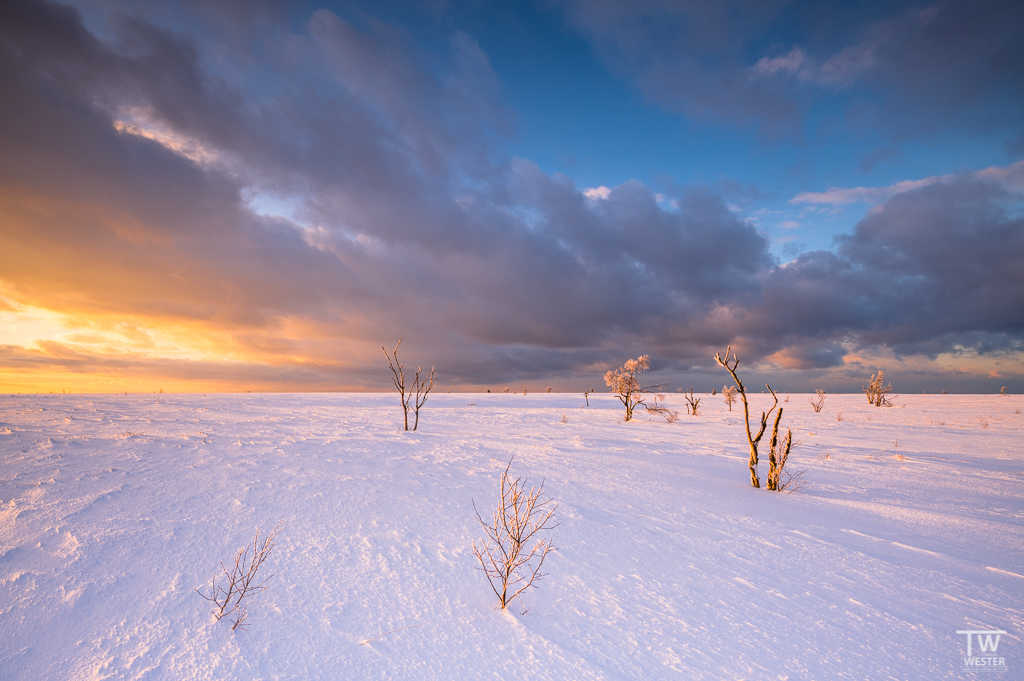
[986,642]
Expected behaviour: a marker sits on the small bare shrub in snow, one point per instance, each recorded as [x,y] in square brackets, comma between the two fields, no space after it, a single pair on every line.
[623,381]
[729,395]
[876,390]
[242,581]
[819,401]
[778,453]
[692,403]
[512,554]
[416,396]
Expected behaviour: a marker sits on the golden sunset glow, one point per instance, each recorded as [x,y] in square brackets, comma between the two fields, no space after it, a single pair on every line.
[261,201]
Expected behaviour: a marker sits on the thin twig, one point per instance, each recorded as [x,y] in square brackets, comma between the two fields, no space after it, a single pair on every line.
[389,632]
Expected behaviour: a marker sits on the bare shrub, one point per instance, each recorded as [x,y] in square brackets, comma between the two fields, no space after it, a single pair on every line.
[1002,391]
[663,411]
[242,581]
[586,395]
[549,389]
[792,481]
[508,560]
[819,401]
[416,396]
[729,395]
[623,381]
[900,457]
[565,418]
[692,403]
[876,390]
[777,456]
[839,416]
[421,388]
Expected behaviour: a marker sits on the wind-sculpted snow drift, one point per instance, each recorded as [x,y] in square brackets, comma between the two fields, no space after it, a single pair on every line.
[113,509]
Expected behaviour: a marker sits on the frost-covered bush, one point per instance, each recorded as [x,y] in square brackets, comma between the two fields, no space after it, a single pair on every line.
[877,392]
[626,386]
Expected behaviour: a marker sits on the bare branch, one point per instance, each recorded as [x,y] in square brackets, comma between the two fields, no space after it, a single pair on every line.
[241,581]
[511,556]
[389,632]
[398,378]
[421,388]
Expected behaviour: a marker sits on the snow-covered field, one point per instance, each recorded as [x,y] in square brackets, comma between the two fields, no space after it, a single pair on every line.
[113,509]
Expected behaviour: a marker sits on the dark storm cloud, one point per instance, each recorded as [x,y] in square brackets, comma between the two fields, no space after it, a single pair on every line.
[933,270]
[904,66]
[407,222]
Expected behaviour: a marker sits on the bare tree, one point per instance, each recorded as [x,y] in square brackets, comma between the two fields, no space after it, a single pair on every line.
[729,395]
[877,392]
[623,381]
[416,397]
[242,581]
[398,378]
[512,555]
[421,388]
[692,403]
[819,401]
[730,364]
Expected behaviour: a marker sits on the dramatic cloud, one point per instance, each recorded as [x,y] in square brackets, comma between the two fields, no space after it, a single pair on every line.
[1012,176]
[211,212]
[911,66]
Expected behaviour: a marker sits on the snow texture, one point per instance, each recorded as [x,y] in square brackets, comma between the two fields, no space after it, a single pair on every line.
[114,509]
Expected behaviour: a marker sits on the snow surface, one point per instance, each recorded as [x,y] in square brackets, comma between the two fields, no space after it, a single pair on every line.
[113,509]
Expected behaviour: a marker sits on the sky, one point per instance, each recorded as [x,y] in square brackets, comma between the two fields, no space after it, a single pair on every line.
[256,196]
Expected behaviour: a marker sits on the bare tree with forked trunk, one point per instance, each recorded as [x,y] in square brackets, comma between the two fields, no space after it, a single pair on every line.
[416,395]
[777,456]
